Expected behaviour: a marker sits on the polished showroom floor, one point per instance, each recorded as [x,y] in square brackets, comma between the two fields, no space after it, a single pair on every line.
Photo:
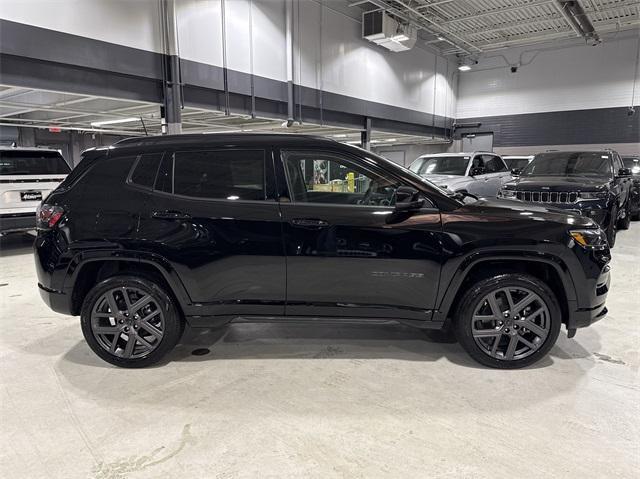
[315,401]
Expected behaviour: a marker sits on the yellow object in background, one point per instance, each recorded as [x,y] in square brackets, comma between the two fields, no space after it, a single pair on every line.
[351,182]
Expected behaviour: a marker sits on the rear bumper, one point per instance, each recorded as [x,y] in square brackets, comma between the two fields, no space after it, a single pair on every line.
[56,300]
[16,222]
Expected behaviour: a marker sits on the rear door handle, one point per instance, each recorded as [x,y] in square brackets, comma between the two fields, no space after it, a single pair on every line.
[309,223]
[170,215]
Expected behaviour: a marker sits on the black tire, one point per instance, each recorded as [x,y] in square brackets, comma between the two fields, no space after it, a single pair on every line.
[163,305]
[473,299]
[624,223]
[611,227]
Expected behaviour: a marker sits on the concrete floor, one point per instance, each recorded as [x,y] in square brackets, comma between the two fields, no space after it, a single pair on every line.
[315,401]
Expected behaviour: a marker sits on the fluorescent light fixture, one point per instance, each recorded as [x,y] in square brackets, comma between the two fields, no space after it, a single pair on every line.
[464,68]
[401,37]
[391,140]
[340,135]
[233,197]
[113,122]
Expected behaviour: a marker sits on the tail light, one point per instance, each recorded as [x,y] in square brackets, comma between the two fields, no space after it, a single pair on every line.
[47,216]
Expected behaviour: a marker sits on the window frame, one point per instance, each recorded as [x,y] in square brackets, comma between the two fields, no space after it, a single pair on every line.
[348,157]
[268,175]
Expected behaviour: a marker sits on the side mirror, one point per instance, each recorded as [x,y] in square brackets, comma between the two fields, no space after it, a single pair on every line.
[624,172]
[478,170]
[516,171]
[408,199]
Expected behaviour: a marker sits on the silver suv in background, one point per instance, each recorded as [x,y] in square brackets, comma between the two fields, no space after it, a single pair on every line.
[27,176]
[479,173]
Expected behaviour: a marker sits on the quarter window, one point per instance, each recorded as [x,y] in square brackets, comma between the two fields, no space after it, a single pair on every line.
[231,175]
[322,177]
[145,170]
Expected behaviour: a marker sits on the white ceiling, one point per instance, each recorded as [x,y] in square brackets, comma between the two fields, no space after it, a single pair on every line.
[476,26]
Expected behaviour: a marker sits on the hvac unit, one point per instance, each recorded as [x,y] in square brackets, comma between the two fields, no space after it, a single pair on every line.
[382,29]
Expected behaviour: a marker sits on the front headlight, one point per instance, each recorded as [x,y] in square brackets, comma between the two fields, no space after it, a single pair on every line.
[591,238]
[593,195]
[503,193]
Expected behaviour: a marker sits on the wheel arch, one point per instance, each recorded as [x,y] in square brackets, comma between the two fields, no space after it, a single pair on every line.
[547,268]
[88,269]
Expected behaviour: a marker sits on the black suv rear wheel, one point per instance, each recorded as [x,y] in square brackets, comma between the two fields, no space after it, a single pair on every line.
[508,321]
[130,321]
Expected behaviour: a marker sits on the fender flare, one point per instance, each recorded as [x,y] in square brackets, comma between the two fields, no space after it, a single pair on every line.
[161,264]
[450,291]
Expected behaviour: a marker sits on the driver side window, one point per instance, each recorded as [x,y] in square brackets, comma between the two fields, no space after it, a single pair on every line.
[324,177]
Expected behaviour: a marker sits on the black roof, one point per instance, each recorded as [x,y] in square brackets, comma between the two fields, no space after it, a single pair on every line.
[202,139]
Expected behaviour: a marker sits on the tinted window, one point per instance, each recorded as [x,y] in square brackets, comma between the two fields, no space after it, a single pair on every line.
[570,164]
[231,175]
[493,164]
[145,170]
[441,165]
[32,163]
[105,175]
[322,177]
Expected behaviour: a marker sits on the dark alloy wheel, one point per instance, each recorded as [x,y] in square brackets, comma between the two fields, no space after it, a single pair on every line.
[130,321]
[508,321]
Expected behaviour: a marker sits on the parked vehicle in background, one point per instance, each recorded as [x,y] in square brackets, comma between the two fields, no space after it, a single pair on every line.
[154,232]
[27,176]
[479,173]
[633,163]
[516,163]
[595,184]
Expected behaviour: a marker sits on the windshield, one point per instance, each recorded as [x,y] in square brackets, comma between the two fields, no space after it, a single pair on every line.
[441,165]
[570,164]
[32,163]
[518,163]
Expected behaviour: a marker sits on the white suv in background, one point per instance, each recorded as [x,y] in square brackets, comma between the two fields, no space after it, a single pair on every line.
[27,176]
[479,173]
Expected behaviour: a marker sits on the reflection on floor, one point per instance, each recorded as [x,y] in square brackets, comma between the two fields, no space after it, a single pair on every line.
[321,401]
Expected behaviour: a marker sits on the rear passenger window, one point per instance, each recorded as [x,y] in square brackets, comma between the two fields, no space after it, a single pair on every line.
[145,170]
[231,175]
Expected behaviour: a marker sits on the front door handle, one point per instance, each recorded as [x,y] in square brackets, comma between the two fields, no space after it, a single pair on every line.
[170,215]
[309,223]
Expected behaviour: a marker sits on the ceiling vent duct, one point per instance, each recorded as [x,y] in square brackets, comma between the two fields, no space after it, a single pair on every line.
[382,29]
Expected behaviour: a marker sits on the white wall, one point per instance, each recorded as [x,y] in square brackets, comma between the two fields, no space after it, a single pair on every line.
[571,78]
[134,23]
[329,52]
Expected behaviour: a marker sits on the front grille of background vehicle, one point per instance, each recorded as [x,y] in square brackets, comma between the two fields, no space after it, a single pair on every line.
[566,197]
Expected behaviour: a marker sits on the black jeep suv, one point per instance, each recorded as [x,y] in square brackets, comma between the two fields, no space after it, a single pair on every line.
[595,184]
[204,229]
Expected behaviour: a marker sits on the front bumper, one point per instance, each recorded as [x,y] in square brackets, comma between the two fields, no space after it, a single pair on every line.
[17,222]
[594,309]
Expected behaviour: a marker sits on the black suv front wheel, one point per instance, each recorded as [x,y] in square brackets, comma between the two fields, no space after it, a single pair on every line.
[508,321]
[130,321]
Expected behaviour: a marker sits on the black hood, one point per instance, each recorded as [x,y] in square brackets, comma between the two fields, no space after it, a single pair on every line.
[509,210]
[559,183]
